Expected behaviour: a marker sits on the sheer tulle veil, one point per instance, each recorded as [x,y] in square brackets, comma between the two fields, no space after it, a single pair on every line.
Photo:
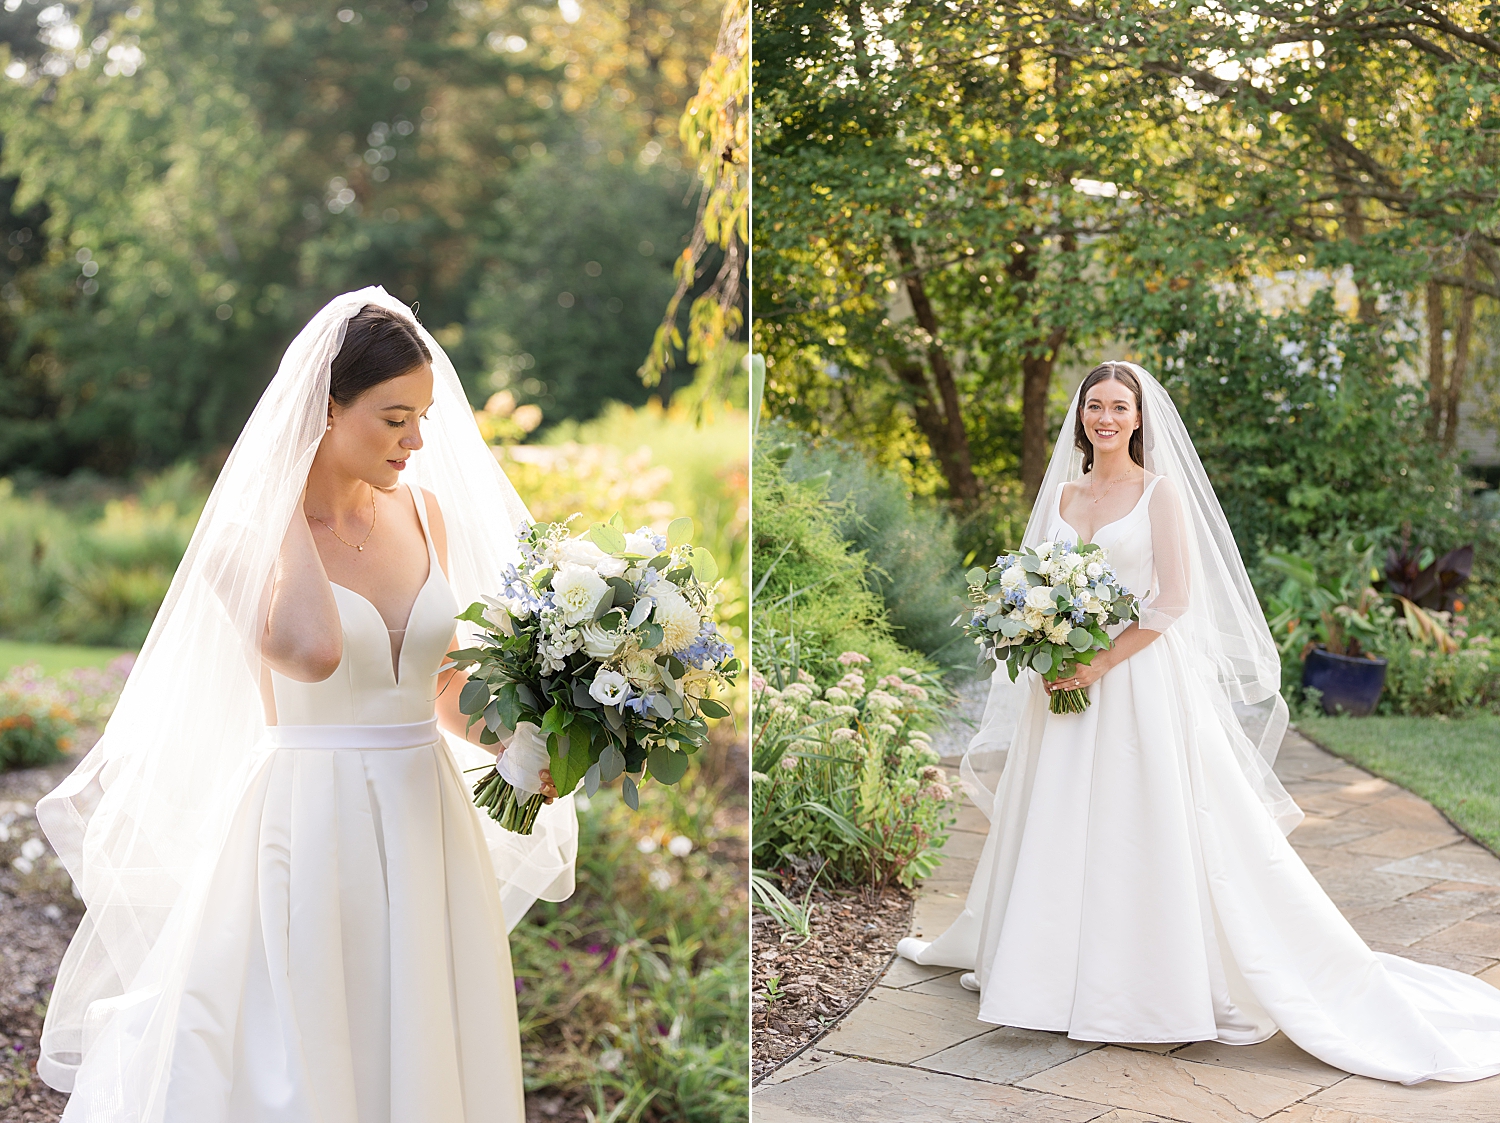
[1223,626]
[141,816]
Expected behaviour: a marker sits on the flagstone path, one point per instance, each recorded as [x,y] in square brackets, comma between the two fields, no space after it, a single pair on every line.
[913,1051]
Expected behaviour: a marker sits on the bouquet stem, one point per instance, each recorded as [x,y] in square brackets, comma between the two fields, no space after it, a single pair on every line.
[1068,701]
[512,810]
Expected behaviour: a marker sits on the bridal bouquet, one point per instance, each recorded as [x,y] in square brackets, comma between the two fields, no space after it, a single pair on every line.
[1046,607]
[602,655]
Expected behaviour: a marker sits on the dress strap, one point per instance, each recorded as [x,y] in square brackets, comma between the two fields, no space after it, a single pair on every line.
[419,500]
[1145,495]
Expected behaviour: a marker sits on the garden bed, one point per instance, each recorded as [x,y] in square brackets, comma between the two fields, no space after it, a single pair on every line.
[38,913]
[819,980]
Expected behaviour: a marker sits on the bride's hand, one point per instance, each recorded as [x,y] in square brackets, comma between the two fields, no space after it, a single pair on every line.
[549,789]
[1084,675]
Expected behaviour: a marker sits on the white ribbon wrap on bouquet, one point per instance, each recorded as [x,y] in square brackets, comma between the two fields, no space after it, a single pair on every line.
[525,755]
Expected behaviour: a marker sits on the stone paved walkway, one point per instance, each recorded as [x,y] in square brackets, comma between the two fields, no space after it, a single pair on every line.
[913,1051]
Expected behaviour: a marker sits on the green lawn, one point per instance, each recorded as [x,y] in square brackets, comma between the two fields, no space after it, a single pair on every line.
[54,657]
[1452,763]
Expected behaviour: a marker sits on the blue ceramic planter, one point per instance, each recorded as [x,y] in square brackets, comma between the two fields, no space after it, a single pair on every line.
[1348,685]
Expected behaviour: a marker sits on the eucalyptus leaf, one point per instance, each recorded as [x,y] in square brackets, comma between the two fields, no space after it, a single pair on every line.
[474,696]
[611,762]
[608,538]
[704,566]
[591,779]
[667,765]
[679,530]
[713,708]
[631,793]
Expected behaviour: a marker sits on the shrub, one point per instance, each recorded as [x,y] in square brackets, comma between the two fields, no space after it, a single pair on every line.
[908,544]
[75,572]
[813,596]
[844,781]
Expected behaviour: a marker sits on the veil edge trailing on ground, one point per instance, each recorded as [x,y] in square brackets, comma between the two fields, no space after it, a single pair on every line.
[1223,626]
[155,794]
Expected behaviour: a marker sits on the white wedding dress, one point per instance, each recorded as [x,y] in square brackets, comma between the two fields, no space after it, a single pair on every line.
[343,958]
[1134,888]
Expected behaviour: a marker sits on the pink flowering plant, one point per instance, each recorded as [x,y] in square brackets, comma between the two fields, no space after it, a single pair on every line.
[844,775]
[602,657]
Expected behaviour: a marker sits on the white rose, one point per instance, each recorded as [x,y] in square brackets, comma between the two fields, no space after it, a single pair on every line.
[578,590]
[1094,570]
[1044,551]
[1013,577]
[1033,618]
[641,670]
[1080,579]
[500,618]
[599,643]
[579,551]
[609,688]
[1040,599]
[525,756]
[638,543]
[678,619]
[611,567]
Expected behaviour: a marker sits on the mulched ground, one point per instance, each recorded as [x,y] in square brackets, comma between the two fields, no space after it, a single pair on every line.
[816,982]
[38,913]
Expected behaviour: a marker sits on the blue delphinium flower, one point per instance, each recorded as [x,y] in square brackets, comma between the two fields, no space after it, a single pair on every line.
[707,650]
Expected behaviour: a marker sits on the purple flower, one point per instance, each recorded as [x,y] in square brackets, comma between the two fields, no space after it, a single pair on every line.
[610,958]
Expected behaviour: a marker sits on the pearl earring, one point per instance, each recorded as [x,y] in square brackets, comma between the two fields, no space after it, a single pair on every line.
[330,425]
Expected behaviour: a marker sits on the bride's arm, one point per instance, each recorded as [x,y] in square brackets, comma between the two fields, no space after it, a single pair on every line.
[1167,603]
[303,639]
[450,683]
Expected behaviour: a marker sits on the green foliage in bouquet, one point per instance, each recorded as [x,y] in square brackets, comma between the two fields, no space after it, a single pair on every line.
[1047,606]
[603,652]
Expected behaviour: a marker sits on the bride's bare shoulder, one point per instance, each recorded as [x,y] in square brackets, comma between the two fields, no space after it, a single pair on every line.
[437,528]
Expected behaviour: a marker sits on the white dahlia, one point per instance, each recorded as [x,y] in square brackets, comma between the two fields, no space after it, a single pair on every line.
[579,590]
[679,620]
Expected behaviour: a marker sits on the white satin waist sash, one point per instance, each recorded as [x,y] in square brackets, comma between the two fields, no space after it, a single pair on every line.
[411,735]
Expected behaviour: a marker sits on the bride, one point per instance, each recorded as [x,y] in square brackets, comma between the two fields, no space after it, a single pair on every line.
[1136,884]
[294,911]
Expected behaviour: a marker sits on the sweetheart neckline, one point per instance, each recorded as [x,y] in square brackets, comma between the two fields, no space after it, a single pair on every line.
[401,650]
[1079,537]
[432,564]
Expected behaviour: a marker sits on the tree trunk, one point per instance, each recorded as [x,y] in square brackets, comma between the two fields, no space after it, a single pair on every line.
[939,415]
[1455,381]
[1036,387]
[1354,224]
[1436,400]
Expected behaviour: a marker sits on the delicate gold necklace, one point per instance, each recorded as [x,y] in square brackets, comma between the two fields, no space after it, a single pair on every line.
[346,541]
[1111,484]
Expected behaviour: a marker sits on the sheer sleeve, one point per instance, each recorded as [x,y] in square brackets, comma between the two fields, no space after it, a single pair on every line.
[1170,590]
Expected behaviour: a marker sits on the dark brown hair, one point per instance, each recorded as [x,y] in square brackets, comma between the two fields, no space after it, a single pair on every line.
[1109,372]
[378,346]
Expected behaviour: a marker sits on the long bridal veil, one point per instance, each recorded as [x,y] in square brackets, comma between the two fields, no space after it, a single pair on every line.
[150,803]
[1223,625]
